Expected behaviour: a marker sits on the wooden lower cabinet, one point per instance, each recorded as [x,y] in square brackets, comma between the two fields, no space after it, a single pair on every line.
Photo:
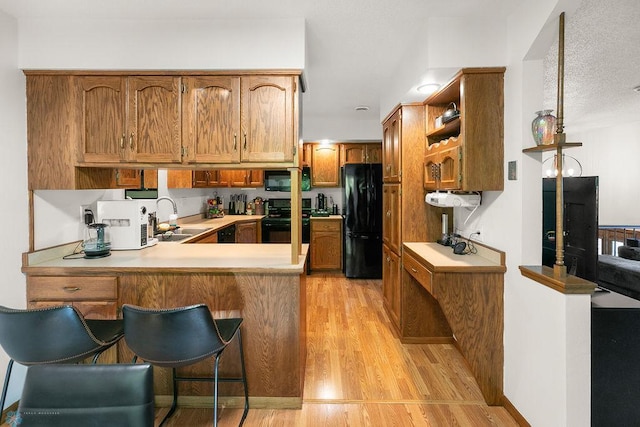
[247,232]
[391,290]
[422,318]
[95,296]
[326,243]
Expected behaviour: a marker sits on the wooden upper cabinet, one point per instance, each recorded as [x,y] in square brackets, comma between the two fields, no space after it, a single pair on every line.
[154,132]
[391,138]
[469,148]
[135,178]
[211,119]
[360,153]
[325,165]
[103,113]
[130,119]
[268,119]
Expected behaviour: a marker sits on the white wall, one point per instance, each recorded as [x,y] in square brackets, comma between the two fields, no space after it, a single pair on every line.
[14,213]
[546,337]
[613,154]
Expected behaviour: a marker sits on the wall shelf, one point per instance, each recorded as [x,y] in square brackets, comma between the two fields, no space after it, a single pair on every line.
[540,148]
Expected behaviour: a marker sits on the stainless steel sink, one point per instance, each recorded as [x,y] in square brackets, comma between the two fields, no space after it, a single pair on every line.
[191,231]
[172,237]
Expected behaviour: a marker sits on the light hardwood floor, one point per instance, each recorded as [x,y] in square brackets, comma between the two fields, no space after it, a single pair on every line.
[358,373]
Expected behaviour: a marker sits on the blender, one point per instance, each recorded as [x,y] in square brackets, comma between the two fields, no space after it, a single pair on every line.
[97,243]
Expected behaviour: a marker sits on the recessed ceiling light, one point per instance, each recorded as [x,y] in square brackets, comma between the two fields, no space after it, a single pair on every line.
[362,108]
[636,89]
[428,88]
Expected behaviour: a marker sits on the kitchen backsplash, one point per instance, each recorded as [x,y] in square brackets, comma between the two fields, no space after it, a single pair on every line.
[57,212]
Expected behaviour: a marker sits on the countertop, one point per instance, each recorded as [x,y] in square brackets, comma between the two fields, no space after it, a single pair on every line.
[180,257]
[441,258]
[320,218]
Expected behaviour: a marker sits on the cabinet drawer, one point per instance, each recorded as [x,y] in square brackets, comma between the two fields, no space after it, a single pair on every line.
[325,225]
[418,271]
[72,288]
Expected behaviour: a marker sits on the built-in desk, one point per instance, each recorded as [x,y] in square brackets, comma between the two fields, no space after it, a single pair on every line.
[457,298]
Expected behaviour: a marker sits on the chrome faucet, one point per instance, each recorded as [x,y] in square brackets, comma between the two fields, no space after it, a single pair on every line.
[175,207]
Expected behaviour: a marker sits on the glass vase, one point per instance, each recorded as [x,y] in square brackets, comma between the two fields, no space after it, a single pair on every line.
[543,127]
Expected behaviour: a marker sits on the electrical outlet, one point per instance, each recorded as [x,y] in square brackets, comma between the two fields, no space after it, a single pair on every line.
[82,212]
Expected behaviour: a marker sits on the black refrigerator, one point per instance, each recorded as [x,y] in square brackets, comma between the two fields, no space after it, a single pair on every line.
[362,204]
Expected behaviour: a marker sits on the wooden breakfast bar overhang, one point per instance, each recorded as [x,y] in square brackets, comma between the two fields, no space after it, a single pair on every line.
[254,281]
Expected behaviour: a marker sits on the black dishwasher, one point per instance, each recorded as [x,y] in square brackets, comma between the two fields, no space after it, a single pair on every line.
[227,234]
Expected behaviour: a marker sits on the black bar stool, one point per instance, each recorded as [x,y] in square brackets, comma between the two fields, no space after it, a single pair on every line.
[53,335]
[183,336]
[87,395]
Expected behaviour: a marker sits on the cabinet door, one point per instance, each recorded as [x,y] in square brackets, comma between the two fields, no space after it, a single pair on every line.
[201,178]
[255,178]
[353,153]
[247,232]
[306,154]
[391,289]
[154,131]
[431,171]
[391,220]
[392,136]
[180,179]
[267,119]
[326,244]
[211,119]
[374,153]
[325,169]
[128,178]
[450,174]
[103,106]
[237,178]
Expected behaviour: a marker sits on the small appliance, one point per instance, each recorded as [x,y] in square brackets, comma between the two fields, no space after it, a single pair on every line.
[97,243]
[130,222]
[280,180]
[321,203]
[453,200]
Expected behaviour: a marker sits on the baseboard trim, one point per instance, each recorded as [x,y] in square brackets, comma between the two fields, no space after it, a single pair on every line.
[511,409]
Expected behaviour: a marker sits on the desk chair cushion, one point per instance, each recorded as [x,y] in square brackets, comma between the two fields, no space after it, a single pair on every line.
[87,395]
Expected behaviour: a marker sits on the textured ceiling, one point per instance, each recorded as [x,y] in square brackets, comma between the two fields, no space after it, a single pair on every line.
[602,64]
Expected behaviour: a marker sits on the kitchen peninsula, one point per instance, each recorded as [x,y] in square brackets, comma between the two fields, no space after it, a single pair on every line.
[256,282]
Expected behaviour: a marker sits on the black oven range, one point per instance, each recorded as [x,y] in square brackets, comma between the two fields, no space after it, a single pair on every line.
[276,226]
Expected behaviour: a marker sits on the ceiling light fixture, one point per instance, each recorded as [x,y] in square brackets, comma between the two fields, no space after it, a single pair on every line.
[428,88]
[362,108]
[636,89]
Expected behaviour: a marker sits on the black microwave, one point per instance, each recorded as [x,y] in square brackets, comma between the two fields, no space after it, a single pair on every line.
[280,180]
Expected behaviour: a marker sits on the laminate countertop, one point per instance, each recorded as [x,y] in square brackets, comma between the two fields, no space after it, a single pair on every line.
[181,256]
[441,258]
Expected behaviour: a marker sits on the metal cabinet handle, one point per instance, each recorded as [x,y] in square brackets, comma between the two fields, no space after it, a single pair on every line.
[71,289]
[388,259]
[245,141]
[389,213]
[131,141]
[122,141]
[414,270]
[235,142]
